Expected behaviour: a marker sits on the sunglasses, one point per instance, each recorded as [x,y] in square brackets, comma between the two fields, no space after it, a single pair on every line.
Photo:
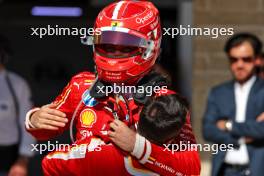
[248,59]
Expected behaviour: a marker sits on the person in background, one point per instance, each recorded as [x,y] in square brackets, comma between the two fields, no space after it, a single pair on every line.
[15,101]
[260,65]
[234,113]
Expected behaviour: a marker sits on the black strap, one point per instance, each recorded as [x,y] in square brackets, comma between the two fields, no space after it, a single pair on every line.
[14,97]
[95,89]
[152,79]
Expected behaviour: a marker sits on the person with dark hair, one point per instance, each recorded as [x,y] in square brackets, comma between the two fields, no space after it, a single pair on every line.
[161,120]
[15,101]
[234,113]
[241,38]
[260,65]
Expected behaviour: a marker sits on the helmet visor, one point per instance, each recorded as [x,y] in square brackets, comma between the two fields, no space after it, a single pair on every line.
[120,38]
[120,43]
[117,51]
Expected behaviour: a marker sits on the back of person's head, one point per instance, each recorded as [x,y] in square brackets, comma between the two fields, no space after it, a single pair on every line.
[240,38]
[5,49]
[162,118]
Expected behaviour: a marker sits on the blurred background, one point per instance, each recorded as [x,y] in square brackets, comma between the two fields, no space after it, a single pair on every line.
[194,63]
[210,64]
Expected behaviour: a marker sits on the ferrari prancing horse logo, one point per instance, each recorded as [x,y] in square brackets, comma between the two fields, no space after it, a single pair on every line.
[88,118]
[115,24]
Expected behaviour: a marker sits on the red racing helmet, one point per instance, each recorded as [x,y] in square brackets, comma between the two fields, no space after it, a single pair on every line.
[126,41]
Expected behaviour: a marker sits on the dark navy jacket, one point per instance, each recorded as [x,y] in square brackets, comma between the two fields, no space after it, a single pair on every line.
[221,105]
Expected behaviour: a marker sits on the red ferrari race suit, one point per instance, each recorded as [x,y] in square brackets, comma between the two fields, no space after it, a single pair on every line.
[93,157]
[148,156]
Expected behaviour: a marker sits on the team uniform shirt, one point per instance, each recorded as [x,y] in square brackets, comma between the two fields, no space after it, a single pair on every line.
[9,130]
[92,119]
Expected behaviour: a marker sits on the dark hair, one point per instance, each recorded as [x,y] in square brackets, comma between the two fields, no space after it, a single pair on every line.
[162,118]
[240,38]
[5,49]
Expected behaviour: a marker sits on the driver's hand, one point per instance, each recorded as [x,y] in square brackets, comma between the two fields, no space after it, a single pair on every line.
[48,118]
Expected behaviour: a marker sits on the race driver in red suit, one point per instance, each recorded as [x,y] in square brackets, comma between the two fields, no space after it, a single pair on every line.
[125,51]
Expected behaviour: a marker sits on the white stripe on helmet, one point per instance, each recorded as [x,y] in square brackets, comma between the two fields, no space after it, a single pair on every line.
[116,10]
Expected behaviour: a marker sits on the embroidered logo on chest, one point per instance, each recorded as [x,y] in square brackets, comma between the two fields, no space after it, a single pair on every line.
[88,118]
[88,100]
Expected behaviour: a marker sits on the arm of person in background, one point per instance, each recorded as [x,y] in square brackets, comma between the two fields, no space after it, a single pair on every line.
[24,104]
[251,129]
[211,132]
[152,156]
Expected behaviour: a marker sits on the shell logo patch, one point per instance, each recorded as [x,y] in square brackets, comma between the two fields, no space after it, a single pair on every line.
[88,118]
